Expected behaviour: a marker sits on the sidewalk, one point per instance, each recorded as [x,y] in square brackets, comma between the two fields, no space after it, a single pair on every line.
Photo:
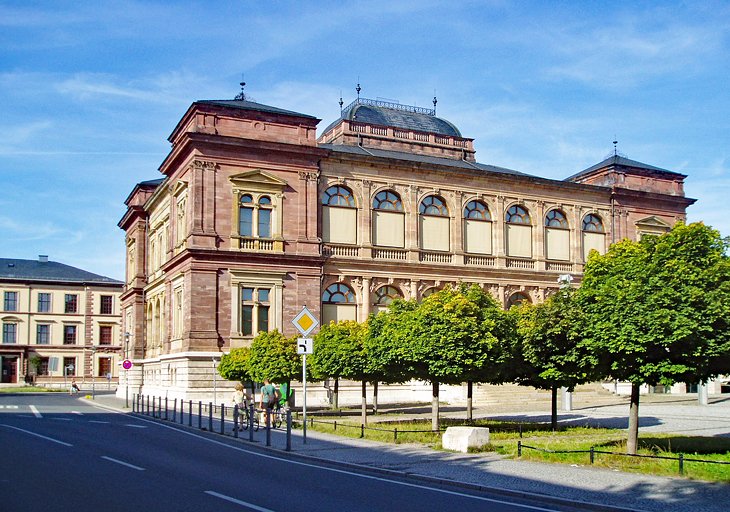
[602,487]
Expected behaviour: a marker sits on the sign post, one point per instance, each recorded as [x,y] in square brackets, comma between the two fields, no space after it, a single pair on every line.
[305,322]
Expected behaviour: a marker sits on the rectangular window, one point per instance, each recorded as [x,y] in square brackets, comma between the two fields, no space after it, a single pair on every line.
[105,367]
[71,303]
[69,335]
[106,304]
[11,301]
[44,302]
[264,223]
[254,310]
[105,335]
[69,364]
[10,332]
[245,222]
[43,334]
[43,366]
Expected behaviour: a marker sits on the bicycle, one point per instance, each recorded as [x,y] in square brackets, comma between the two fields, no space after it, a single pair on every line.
[244,419]
[278,415]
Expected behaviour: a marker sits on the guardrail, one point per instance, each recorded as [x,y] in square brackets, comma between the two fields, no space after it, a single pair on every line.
[681,459]
[229,419]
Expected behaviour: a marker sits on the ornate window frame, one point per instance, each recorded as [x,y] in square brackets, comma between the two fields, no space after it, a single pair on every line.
[258,184]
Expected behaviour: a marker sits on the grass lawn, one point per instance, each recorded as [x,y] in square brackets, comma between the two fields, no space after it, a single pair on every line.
[505,435]
[31,389]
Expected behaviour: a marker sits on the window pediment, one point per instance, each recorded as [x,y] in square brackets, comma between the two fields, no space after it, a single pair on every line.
[257,180]
[653,222]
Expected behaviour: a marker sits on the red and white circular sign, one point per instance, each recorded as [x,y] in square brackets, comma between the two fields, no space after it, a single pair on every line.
[127,364]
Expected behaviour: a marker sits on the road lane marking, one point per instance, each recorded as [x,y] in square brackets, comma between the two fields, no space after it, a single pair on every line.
[135,426]
[38,435]
[77,412]
[238,502]
[8,406]
[61,419]
[99,422]
[360,475]
[122,463]
[35,411]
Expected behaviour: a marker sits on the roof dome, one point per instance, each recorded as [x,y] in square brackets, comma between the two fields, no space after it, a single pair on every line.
[395,115]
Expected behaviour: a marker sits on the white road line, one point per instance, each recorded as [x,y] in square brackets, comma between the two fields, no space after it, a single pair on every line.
[61,419]
[38,435]
[35,411]
[8,406]
[77,412]
[122,463]
[238,502]
[359,475]
[135,426]
[99,422]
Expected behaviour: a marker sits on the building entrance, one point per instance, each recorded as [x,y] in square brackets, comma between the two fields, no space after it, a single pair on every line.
[10,370]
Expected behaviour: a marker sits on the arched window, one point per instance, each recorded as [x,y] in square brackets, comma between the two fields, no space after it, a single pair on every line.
[557,236]
[429,291]
[518,232]
[517,298]
[433,205]
[338,303]
[384,296]
[594,235]
[434,224]
[477,228]
[388,220]
[265,210]
[339,216]
[245,217]
[338,196]
[387,200]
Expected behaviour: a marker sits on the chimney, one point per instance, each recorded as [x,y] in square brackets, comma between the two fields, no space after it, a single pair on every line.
[43,258]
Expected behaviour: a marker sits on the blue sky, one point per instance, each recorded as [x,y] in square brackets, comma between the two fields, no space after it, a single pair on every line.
[90,91]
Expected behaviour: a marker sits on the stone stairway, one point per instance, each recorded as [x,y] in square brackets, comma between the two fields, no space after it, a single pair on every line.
[509,396]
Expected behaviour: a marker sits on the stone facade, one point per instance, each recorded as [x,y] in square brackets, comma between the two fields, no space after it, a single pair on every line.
[255,217]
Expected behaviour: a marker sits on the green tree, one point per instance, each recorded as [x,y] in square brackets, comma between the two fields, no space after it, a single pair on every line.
[339,352]
[447,338]
[274,357]
[551,349]
[235,366]
[656,311]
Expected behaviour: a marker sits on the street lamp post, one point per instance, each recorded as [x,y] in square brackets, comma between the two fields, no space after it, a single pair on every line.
[126,372]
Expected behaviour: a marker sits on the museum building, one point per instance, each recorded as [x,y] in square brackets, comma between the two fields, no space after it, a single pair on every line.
[255,216]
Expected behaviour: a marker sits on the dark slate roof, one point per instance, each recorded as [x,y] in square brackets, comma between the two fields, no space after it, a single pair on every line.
[35,270]
[623,162]
[250,105]
[151,183]
[419,158]
[381,113]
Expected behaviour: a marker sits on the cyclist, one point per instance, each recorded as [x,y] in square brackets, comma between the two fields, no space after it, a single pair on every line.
[268,398]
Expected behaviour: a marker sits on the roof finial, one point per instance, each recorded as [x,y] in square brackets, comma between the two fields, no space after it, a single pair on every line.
[358,88]
[241,96]
[434,102]
[341,102]
[615,151]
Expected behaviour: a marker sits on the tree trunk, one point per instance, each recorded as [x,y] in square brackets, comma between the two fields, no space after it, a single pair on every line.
[336,395]
[364,405]
[554,408]
[375,397]
[435,406]
[469,410]
[633,441]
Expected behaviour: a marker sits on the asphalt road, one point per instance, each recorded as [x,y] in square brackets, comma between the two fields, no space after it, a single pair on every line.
[61,454]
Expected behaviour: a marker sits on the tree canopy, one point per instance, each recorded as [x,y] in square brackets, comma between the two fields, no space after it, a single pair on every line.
[235,365]
[274,357]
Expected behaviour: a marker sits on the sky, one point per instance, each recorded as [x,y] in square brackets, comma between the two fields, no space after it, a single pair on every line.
[90,91]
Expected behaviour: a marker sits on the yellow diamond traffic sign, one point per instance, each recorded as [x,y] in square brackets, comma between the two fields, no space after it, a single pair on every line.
[305,321]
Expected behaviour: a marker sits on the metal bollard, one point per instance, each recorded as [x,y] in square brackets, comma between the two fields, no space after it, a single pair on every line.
[210,417]
[182,411]
[268,426]
[174,410]
[395,435]
[190,413]
[362,431]
[288,430]
[681,463]
[519,448]
[165,407]
[148,405]
[593,455]
[223,418]
[251,412]
[235,421]
[200,414]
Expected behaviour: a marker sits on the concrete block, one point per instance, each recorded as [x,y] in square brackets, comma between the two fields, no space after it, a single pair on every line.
[460,439]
